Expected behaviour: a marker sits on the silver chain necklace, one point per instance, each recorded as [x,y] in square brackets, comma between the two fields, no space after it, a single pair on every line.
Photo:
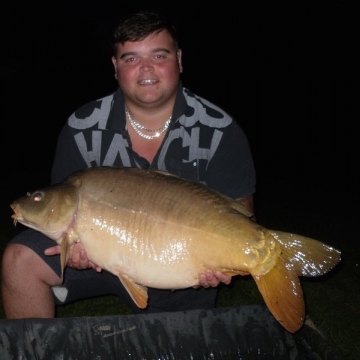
[140,128]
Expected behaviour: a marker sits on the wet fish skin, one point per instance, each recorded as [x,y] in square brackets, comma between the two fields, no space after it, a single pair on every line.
[153,229]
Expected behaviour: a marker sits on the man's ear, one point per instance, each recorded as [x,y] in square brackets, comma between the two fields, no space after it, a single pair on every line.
[179,59]
[113,60]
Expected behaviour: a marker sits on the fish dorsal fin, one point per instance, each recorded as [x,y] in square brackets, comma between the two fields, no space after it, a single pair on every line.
[166,173]
[137,292]
[241,208]
[229,201]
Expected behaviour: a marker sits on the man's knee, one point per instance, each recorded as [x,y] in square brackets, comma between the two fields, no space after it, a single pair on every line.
[20,260]
[15,256]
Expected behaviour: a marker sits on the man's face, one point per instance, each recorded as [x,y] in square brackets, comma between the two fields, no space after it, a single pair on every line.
[148,71]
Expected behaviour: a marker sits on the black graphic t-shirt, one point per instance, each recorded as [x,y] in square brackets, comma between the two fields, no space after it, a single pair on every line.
[203,143]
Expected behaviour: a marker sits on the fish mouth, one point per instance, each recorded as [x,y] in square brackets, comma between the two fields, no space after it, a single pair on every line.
[17,215]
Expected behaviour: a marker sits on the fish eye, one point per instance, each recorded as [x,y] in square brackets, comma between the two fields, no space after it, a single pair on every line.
[37,196]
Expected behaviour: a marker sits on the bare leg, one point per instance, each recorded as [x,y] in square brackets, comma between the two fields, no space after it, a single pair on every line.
[26,284]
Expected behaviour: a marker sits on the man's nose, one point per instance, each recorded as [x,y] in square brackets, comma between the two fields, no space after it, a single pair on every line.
[146,65]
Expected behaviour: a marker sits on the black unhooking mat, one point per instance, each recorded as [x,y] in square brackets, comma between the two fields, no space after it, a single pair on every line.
[246,332]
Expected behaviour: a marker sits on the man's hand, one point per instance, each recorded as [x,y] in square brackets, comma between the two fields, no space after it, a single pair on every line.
[77,259]
[210,279]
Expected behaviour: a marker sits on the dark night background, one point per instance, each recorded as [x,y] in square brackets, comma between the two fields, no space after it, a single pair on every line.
[284,70]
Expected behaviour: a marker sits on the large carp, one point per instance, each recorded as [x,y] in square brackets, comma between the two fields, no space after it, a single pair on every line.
[153,229]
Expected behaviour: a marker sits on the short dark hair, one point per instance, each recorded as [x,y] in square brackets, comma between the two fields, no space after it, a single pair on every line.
[137,26]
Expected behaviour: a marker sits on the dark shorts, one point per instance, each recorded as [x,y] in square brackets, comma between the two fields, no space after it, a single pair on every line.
[83,284]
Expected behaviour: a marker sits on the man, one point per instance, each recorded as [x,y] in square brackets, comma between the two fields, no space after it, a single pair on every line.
[150,122]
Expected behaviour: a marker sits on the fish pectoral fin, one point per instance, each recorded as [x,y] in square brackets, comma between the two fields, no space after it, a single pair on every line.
[64,254]
[137,292]
[282,293]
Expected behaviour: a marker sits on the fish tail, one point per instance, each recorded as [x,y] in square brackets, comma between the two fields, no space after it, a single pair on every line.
[282,293]
[281,288]
[306,256]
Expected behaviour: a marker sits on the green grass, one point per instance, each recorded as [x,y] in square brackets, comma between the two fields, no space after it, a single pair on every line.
[332,300]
